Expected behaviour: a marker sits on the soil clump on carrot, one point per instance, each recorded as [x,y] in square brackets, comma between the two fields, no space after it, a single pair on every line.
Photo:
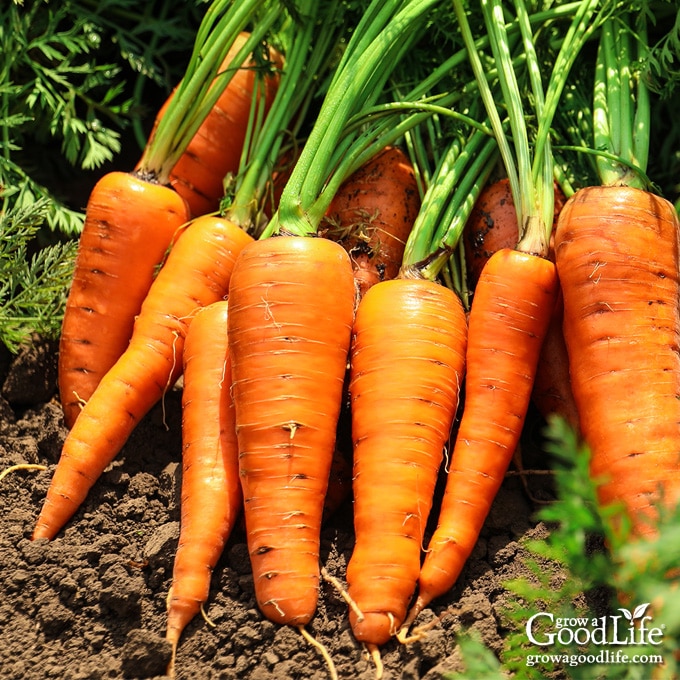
[91,603]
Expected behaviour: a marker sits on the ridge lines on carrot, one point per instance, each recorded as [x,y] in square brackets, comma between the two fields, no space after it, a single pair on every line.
[289,345]
[401,421]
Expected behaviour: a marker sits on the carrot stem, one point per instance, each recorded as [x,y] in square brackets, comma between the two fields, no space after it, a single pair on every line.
[201,85]
[621,107]
[379,41]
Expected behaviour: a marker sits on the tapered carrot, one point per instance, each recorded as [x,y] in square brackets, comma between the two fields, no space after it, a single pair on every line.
[372,215]
[216,149]
[211,492]
[508,321]
[617,255]
[129,225]
[407,363]
[291,305]
[195,274]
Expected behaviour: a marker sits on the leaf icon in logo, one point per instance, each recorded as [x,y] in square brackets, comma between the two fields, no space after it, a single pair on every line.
[640,610]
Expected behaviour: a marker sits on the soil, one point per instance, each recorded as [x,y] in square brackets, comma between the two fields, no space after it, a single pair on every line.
[91,603]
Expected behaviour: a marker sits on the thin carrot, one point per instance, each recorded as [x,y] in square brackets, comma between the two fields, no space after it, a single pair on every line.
[291,305]
[195,274]
[211,492]
[215,151]
[129,225]
[508,321]
[372,214]
[407,363]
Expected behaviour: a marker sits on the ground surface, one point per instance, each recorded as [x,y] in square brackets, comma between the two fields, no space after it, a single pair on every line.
[91,603]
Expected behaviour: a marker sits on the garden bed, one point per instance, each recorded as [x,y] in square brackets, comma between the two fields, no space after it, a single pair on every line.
[91,603]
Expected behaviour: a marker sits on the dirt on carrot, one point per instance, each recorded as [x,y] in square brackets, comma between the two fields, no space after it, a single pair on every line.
[92,603]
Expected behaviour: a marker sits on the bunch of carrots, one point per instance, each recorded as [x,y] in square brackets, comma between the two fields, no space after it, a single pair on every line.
[312,230]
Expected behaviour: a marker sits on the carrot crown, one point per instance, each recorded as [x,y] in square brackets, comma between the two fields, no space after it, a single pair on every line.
[379,41]
[529,170]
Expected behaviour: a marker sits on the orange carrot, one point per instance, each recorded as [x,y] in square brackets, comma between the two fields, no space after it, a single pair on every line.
[407,364]
[508,320]
[129,225]
[195,274]
[492,225]
[617,256]
[215,150]
[291,305]
[372,214]
[211,491]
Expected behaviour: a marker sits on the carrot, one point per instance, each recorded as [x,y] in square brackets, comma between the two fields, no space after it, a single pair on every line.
[131,219]
[407,363]
[617,256]
[215,150]
[372,214]
[129,225]
[195,274]
[291,305]
[508,321]
[617,248]
[211,491]
[492,225]
[552,393]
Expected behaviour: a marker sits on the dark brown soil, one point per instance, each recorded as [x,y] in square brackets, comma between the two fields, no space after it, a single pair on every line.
[91,603]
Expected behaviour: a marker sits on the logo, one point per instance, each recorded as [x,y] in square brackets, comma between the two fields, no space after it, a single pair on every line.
[628,628]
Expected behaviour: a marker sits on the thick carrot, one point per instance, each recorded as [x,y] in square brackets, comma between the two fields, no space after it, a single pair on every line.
[216,149]
[617,256]
[195,274]
[508,320]
[372,214]
[129,225]
[291,306]
[407,363]
[211,492]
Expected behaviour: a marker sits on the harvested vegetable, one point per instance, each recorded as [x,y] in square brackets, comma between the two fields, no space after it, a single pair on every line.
[132,218]
[617,255]
[372,215]
[211,497]
[195,274]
